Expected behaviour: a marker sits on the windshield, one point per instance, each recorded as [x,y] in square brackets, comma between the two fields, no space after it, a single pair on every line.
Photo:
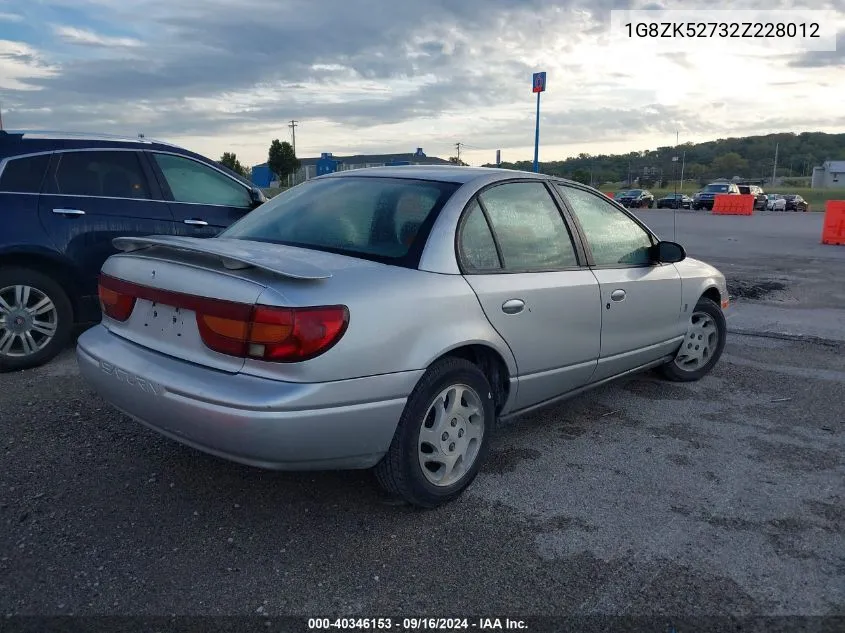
[624,192]
[384,219]
[635,192]
[716,188]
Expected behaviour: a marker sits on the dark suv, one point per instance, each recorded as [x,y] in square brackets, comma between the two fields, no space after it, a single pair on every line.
[705,198]
[760,197]
[636,198]
[64,197]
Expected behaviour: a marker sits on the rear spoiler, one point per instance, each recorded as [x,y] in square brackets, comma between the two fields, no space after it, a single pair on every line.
[270,257]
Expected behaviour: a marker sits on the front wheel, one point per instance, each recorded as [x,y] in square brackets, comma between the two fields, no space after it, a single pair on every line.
[703,344]
[651,204]
[443,436]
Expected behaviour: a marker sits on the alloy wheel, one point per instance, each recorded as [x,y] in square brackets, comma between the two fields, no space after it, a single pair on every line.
[28,321]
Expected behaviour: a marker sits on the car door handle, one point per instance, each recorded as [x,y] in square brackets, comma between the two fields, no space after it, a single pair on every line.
[618,295]
[69,211]
[196,222]
[513,306]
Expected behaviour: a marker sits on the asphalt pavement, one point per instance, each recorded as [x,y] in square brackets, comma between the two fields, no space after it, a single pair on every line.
[723,497]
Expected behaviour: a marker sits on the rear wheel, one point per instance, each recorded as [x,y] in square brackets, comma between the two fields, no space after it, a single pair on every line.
[443,436]
[703,344]
[36,317]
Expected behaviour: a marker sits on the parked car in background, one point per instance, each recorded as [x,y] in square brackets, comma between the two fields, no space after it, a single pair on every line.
[362,319]
[757,192]
[705,198]
[795,202]
[636,198]
[675,201]
[64,197]
[775,202]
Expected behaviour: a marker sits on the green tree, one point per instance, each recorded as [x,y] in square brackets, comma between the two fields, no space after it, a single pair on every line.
[456,161]
[281,159]
[230,160]
[729,165]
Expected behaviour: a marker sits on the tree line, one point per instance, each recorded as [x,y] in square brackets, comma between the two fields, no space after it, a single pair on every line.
[750,157]
[281,159]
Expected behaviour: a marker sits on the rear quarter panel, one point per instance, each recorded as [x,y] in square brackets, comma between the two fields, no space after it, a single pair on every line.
[400,320]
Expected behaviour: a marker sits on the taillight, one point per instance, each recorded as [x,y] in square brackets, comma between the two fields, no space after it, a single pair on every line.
[115,302]
[239,329]
[276,334]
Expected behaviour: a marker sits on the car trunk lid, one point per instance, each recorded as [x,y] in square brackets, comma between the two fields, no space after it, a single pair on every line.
[170,279]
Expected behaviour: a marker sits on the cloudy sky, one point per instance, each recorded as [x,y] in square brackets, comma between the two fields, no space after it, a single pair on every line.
[366,76]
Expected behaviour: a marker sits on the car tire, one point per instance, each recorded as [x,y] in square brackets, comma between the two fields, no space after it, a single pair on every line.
[47,340]
[651,204]
[698,355]
[406,470]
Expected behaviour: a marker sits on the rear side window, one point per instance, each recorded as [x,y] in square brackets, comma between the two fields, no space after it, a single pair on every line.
[24,175]
[100,173]
[478,249]
[385,219]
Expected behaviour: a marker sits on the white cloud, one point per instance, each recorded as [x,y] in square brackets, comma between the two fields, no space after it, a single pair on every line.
[83,37]
[19,62]
[10,17]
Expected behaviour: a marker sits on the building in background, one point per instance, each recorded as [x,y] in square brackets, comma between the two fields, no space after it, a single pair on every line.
[831,175]
[328,163]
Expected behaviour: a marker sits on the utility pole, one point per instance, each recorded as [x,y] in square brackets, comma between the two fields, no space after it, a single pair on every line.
[775,167]
[1,116]
[458,150]
[292,125]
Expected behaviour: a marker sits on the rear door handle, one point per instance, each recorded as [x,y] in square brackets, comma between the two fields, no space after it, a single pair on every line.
[69,211]
[513,306]
[196,222]
[618,295]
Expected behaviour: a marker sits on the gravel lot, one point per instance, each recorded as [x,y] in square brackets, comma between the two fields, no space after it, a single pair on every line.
[722,497]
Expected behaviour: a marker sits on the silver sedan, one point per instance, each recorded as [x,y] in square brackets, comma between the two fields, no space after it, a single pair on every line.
[389,317]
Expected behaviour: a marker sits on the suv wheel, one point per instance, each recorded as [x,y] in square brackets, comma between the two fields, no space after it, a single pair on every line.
[35,319]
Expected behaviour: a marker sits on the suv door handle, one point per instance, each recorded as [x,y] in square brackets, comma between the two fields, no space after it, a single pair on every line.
[69,211]
[196,222]
[618,295]
[513,306]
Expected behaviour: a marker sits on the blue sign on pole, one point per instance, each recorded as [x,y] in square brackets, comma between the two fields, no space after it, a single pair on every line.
[538,85]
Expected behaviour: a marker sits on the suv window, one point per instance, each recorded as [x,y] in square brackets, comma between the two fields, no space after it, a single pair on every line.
[528,225]
[112,174]
[614,238]
[478,249]
[24,175]
[191,181]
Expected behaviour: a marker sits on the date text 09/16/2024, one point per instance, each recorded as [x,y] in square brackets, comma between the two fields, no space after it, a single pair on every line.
[416,624]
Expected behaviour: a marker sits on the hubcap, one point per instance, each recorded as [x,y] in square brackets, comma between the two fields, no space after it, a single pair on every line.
[28,321]
[699,344]
[451,434]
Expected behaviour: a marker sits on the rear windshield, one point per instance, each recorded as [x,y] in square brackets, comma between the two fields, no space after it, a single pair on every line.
[383,219]
[716,188]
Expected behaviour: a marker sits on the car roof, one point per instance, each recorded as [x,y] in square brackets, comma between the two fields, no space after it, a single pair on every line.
[440,173]
[14,142]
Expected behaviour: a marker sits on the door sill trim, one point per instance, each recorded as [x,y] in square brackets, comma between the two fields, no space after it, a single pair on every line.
[588,387]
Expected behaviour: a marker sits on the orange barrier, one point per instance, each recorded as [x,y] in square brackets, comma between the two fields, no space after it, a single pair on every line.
[609,195]
[727,204]
[834,222]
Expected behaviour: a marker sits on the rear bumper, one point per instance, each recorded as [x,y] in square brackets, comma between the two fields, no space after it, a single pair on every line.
[255,421]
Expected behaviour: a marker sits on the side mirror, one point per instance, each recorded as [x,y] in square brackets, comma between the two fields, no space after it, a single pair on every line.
[257,196]
[668,253]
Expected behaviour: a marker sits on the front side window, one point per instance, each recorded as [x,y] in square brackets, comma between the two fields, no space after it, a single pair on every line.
[24,175]
[191,181]
[529,227]
[614,238]
[377,218]
[110,174]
